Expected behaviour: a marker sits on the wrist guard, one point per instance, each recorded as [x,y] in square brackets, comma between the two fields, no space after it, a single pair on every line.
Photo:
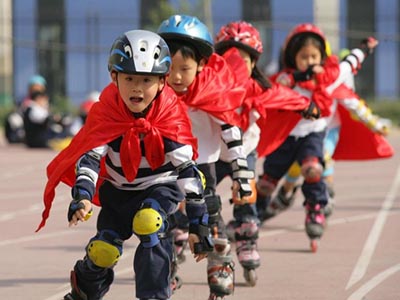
[74,206]
[303,76]
[242,174]
[311,112]
[202,230]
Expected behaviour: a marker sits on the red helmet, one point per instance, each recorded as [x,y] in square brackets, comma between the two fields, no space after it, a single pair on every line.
[239,34]
[299,31]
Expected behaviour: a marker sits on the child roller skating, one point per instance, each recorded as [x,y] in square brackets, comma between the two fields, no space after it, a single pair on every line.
[310,69]
[206,84]
[135,155]
[240,43]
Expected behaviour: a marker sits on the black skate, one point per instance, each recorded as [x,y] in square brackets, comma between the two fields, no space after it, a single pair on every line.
[76,293]
[280,202]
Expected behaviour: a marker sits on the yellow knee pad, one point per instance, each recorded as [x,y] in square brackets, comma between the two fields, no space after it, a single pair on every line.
[294,170]
[102,253]
[147,221]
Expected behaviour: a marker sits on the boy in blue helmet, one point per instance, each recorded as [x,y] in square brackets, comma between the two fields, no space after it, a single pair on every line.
[206,84]
[134,156]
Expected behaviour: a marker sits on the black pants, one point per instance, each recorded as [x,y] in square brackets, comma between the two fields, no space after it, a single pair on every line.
[152,266]
[297,149]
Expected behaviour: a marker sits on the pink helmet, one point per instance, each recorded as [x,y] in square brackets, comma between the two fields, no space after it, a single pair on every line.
[242,35]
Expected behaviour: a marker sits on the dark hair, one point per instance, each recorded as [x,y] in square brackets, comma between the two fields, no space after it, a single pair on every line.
[188,50]
[36,94]
[256,73]
[298,42]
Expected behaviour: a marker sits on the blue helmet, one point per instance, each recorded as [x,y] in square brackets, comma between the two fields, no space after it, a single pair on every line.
[140,52]
[37,79]
[190,29]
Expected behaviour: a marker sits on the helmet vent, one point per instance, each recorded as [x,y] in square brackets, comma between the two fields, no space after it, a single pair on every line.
[128,51]
[157,52]
[143,46]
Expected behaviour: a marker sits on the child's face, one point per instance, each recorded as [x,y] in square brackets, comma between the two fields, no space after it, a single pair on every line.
[307,56]
[137,91]
[43,101]
[183,72]
[247,59]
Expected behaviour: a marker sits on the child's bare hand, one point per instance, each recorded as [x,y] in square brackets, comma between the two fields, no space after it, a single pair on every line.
[79,211]
[372,42]
[317,69]
[194,239]
[368,45]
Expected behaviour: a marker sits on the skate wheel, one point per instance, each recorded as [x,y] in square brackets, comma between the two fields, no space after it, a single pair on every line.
[314,246]
[250,276]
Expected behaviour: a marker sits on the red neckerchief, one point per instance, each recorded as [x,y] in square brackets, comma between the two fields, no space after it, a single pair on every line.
[215,91]
[109,119]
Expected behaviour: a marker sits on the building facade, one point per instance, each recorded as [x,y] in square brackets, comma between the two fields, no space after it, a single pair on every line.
[68,41]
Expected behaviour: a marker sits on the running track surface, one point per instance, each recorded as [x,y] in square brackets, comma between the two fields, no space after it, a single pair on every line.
[358,257]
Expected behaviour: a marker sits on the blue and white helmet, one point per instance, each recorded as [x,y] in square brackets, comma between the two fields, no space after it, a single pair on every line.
[190,29]
[140,52]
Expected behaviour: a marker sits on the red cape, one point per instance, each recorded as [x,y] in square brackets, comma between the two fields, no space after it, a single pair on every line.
[278,106]
[356,140]
[215,90]
[282,106]
[110,119]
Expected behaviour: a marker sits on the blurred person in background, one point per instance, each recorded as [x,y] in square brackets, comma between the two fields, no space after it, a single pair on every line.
[14,122]
[36,117]
[84,109]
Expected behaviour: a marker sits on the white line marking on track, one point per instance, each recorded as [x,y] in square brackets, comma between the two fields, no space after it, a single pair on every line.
[371,284]
[373,238]
[35,237]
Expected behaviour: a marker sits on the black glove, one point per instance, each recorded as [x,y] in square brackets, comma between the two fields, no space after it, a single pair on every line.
[203,232]
[242,175]
[78,194]
[73,207]
[311,112]
[306,75]
[364,45]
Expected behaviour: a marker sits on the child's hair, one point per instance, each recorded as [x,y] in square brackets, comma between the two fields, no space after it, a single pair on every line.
[187,29]
[188,50]
[245,36]
[37,94]
[300,36]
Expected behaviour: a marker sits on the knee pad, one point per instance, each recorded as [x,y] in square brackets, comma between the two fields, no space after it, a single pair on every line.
[105,249]
[311,169]
[149,223]
[294,172]
[266,185]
